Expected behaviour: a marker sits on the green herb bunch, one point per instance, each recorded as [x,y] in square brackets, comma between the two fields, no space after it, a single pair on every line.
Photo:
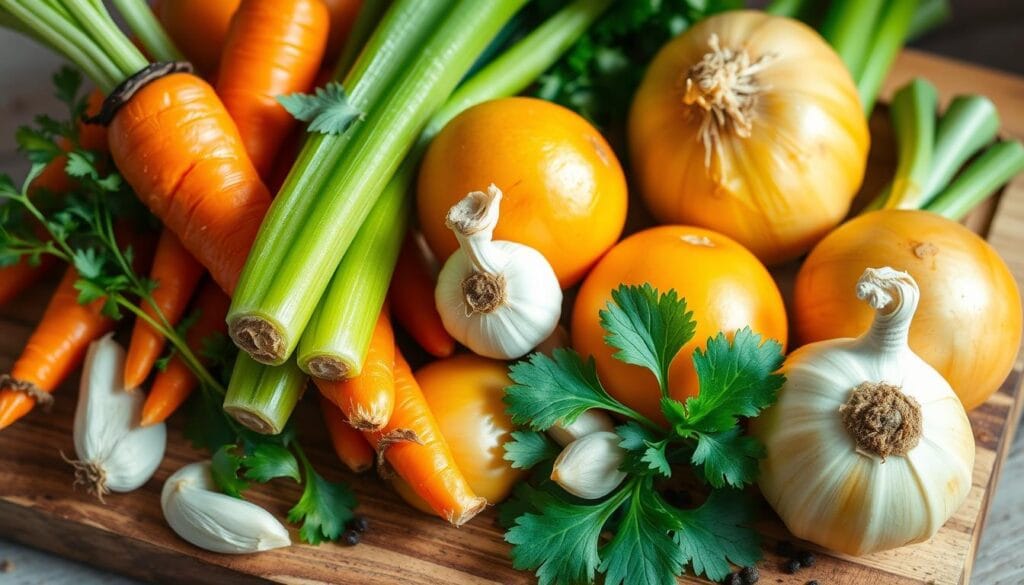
[634,535]
[81,228]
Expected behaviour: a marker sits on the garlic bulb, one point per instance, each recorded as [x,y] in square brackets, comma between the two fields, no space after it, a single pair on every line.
[589,466]
[114,452]
[868,448]
[214,521]
[499,299]
[591,421]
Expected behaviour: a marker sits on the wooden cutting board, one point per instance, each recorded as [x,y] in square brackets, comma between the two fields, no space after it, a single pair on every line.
[127,534]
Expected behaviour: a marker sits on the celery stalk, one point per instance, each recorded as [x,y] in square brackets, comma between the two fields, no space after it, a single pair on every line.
[983,177]
[848,26]
[144,25]
[369,15]
[335,342]
[890,34]
[929,14]
[262,398]
[296,255]
[913,118]
[969,123]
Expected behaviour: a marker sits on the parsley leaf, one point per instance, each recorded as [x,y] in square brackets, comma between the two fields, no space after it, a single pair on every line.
[642,552]
[323,509]
[634,436]
[737,379]
[648,329]
[729,457]
[528,448]
[560,541]
[327,110]
[226,466]
[557,389]
[656,458]
[269,461]
[716,534]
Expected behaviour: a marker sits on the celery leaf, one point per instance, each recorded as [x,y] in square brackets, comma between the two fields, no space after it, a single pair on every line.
[327,109]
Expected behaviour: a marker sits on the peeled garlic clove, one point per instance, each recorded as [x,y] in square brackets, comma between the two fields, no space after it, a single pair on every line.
[589,466]
[114,452]
[591,421]
[214,521]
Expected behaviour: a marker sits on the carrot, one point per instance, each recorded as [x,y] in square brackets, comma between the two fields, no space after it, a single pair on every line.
[17,277]
[176,275]
[273,48]
[349,443]
[412,302]
[413,445]
[173,385]
[369,398]
[178,148]
[56,347]
[198,28]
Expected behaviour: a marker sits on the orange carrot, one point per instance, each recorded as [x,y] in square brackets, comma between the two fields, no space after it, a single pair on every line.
[176,275]
[349,443]
[273,48]
[173,385]
[16,278]
[412,301]
[413,445]
[198,28]
[56,347]
[178,148]
[369,398]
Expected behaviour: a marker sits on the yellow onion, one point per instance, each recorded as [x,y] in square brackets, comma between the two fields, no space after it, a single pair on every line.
[750,125]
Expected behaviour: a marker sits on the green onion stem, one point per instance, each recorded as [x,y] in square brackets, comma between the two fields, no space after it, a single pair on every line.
[848,26]
[143,23]
[262,398]
[929,14]
[370,13]
[913,119]
[886,43]
[969,124]
[983,177]
[790,8]
[95,21]
[296,254]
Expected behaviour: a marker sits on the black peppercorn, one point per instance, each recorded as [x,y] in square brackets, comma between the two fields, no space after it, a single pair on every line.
[750,575]
[791,566]
[733,579]
[359,524]
[351,537]
[806,558]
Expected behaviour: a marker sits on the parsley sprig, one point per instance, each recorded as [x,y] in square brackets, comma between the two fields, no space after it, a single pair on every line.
[79,228]
[634,535]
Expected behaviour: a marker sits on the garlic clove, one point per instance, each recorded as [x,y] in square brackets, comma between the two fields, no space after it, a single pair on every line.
[589,466]
[591,421]
[114,452]
[214,521]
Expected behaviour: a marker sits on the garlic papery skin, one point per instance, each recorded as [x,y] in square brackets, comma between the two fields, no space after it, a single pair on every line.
[499,299]
[589,466]
[591,421]
[115,454]
[214,521]
[868,448]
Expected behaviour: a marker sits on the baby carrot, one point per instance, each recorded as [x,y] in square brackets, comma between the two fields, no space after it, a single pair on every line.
[173,385]
[176,275]
[273,48]
[413,445]
[349,443]
[369,398]
[412,302]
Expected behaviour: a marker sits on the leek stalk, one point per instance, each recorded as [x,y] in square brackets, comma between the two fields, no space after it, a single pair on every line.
[913,117]
[848,26]
[983,177]
[890,34]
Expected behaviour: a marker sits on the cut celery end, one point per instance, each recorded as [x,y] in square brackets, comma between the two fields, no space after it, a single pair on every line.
[263,397]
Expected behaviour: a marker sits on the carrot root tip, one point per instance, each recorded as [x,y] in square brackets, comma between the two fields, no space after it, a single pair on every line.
[468,514]
[385,443]
[365,420]
[258,338]
[329,368]
[42,398]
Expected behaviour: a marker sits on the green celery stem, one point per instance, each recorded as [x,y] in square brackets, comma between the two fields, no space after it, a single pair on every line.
[370,13]
[848,26]
[929,14]
[313,246]
[913,118]
[982,178]
[147,28]
[262,398]
[888,39]
[336,341]
[968,125]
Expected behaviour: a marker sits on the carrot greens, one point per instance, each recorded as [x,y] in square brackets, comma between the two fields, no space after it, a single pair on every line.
[635,535]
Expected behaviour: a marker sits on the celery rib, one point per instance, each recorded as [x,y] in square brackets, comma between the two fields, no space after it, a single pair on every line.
[890,34]
[848,26]
[263,398]
[913,118]
[981,179]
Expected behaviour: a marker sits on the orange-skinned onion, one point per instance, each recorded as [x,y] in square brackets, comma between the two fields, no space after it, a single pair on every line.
[465,394]
[777,186]
[968,322]
[724,285]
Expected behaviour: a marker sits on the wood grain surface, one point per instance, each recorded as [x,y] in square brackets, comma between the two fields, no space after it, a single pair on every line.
[38,507]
